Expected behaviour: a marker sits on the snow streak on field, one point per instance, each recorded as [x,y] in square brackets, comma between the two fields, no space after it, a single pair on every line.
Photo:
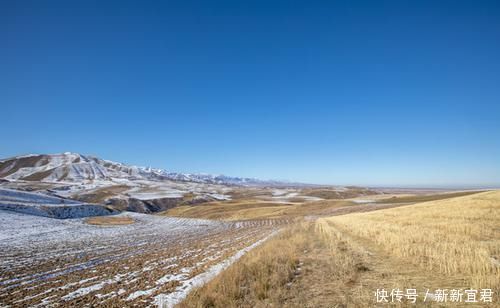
[51,262]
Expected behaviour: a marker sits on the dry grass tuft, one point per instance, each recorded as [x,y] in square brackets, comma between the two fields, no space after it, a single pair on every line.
[109,220]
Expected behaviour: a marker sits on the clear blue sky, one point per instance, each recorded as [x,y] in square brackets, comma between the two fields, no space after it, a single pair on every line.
[403,93]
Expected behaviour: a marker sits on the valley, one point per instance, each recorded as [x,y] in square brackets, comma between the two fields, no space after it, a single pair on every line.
[81,231]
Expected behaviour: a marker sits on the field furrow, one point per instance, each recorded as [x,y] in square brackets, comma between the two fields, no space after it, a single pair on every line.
[69,262]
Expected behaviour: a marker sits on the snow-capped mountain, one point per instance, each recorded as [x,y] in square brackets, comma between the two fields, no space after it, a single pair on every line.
[111,186]
[66,167]
[216,179]
[122,187]
[73,167]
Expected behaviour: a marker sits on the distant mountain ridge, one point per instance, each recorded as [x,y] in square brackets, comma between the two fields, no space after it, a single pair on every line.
[74,167]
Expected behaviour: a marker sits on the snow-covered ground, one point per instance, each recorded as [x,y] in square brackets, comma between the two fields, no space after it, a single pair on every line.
[47,261]
[156,195]
[288,195]
[171,299]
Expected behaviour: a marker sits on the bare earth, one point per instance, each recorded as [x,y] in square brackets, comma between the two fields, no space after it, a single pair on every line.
[69,262]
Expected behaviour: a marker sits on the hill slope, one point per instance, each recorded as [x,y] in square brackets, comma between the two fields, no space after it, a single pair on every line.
[49,206]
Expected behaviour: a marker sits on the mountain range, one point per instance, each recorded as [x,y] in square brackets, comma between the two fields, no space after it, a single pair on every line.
[74,167]
[121,187]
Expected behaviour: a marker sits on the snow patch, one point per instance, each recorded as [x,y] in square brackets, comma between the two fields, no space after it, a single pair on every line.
[171,299]
[362,201]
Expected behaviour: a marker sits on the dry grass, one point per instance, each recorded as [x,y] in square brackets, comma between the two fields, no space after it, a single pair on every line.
[457,237]
[340,261]
[100,195]
[230,210]
[332,193]
[423,198]
[109,220]
[255,209]
[300,267]
[258,279]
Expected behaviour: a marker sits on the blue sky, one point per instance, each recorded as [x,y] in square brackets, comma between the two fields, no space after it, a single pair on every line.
[338,92]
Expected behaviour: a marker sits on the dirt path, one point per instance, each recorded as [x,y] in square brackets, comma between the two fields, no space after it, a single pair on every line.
[349,271]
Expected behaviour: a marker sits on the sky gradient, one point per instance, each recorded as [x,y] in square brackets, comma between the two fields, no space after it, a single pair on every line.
[381,93]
